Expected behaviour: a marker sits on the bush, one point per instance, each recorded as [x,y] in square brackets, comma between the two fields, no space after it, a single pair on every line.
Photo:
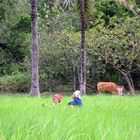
[19,82]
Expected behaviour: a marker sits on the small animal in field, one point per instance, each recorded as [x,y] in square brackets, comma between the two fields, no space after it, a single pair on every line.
[109,87]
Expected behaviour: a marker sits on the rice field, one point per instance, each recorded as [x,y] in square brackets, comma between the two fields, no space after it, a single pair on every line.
[100,118]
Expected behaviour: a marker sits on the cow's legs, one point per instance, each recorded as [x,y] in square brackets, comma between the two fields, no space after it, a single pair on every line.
[98,91]
[114,93]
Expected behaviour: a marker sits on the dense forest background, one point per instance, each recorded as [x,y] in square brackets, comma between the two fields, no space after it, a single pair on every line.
[112,45]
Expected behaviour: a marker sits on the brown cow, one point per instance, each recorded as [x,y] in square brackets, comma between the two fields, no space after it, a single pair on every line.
[109,87]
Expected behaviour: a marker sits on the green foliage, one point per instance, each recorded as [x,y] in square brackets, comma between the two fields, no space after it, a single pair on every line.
[108,13]
[3,61]
[59,58]
[7,65]
[19,43]
[19,46]
[18,82]
[59,54]
[138,3]
[23,24]
[10,11]
[113,31]
[120,46]
[15,31]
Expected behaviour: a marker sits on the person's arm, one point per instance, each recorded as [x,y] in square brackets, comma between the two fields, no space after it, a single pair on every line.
[72,102]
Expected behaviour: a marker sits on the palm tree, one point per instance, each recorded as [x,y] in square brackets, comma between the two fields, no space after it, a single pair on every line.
[84,7]
[83,50]
[34,91]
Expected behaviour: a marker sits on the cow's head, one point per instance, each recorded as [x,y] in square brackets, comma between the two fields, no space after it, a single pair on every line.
[120,90]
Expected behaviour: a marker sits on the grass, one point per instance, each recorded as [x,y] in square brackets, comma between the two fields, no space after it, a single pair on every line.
[100,118]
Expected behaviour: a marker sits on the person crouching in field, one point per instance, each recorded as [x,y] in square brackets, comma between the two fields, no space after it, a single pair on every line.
[77,99]
[57,99]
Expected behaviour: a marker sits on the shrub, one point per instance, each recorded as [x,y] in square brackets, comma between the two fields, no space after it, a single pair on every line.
[19,82]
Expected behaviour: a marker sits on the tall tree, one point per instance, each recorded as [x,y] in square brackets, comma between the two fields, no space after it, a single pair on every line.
[84,7]
[34,91]
[120,47]
[83,51]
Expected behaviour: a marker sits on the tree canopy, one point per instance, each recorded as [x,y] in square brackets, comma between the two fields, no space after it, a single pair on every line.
[112,44]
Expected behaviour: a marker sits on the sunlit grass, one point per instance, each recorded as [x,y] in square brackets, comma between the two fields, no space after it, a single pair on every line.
[100,118]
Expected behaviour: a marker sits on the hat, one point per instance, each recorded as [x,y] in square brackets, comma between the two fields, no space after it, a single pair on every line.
[77,94]
[58,97]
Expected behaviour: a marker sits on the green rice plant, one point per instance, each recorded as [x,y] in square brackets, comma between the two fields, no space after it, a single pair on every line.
[100,118]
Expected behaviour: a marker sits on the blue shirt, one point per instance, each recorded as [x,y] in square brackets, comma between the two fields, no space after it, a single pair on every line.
[76,101]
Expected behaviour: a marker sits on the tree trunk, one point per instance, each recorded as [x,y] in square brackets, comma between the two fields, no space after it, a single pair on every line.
[76,79]
[83,51]
[34,91]
[129,81]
